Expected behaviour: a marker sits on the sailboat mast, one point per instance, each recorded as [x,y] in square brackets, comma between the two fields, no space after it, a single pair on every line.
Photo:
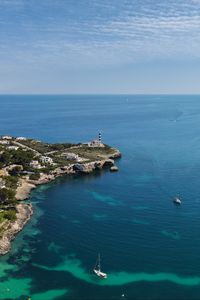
[99,262]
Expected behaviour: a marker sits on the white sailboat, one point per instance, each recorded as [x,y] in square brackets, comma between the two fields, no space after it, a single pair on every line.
[97,269]
[177,200]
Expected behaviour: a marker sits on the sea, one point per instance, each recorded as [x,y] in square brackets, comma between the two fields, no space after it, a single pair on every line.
[150,248]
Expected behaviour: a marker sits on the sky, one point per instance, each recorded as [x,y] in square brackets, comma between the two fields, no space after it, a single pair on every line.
[99,46]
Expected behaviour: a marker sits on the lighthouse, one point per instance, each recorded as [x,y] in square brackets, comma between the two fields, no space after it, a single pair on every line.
[97,142]
[99,137]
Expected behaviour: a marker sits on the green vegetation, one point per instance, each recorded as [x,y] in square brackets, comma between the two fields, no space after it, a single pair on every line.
[34,176]
[7,201]
[92,153]
[45,147]
[5,157]
[37,145]
[61,147]
[22,157]
[60,161]
[15,171]
[11,181]
[7,196]
[19,156]
[9,214]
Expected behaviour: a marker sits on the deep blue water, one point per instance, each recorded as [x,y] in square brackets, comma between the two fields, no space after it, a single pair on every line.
[149,247]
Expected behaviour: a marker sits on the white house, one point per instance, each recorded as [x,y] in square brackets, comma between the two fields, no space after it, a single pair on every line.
[21,138]
[35,164]
[4,142]
[12,147]
[6,137]
[46,160]
[71,156]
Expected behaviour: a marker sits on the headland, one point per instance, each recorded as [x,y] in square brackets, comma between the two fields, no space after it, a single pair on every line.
[26,163]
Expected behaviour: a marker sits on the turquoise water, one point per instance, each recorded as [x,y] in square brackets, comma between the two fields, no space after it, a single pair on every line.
[149,247]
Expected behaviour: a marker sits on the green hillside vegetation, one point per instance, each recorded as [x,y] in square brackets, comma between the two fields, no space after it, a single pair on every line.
[45,147]
[18,156]
[11,181]
[92,153]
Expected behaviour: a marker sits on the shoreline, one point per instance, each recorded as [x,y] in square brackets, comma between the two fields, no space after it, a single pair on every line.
[25,211]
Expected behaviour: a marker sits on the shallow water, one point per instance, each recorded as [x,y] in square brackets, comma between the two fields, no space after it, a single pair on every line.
[149,247]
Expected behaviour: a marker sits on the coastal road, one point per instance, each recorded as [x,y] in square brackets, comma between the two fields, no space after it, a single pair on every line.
[28,148]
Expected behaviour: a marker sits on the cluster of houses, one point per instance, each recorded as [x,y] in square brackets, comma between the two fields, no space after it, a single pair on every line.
[44,160]
[8,137]
[7,140]
[35,164]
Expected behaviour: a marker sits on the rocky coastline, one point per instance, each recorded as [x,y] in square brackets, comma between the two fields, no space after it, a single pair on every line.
[24,210]
[23,215]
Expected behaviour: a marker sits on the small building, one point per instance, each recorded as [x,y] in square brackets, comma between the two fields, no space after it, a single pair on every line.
[35,164]
[70,156]
[6,137]
[12,147]
[21,138]
[46,160]
[4,142]
[95,143]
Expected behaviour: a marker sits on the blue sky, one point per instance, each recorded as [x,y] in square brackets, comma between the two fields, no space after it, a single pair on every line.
[99,46]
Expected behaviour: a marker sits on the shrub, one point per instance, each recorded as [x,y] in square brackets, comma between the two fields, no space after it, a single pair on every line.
[7,195]
[34,176]
[15,171]
[10,215]
[22,157]
[11,181]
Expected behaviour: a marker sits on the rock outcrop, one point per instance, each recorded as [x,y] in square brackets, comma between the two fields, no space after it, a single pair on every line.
[116,154]
[23,190]
[114,169]
[90,167]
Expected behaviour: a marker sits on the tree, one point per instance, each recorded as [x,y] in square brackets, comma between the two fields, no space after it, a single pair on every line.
[7,195]
[15,171]
[22,157]
[11,181]
[10,215]
[5,157]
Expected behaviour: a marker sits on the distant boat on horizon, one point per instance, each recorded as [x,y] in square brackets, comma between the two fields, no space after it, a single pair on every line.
[97,268]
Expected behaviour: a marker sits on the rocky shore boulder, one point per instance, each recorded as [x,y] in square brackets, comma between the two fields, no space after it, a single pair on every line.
[108,163]
[79,168]
[114,169]
[115,155]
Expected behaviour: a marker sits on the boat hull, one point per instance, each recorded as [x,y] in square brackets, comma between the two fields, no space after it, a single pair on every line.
[100,274]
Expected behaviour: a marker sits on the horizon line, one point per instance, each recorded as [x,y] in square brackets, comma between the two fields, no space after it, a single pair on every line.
[100,94]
